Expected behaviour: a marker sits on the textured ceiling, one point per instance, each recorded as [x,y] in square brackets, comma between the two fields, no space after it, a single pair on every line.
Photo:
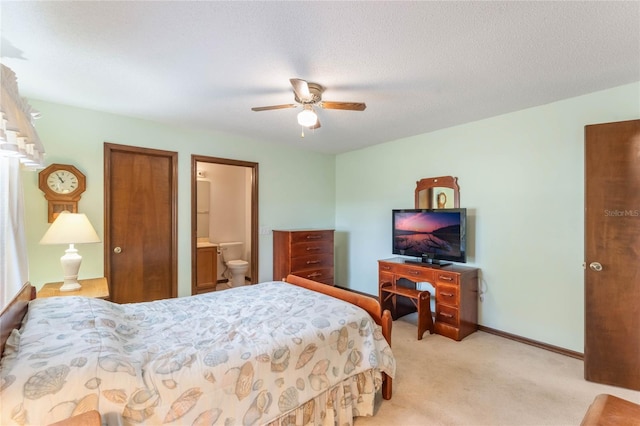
[419,66]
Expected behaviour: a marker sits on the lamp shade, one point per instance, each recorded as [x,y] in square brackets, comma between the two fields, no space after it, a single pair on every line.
[70,228]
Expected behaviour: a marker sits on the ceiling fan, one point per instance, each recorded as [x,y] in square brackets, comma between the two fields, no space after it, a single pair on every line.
[308,95]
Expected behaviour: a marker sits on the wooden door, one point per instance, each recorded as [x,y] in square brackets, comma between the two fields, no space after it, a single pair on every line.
[140,223]
[612,254]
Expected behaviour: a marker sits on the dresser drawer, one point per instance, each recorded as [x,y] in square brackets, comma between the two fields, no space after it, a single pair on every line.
[447,294]
[447,315]
[313,261]
[322,275]
[447,277]
[308,236]
[311,247]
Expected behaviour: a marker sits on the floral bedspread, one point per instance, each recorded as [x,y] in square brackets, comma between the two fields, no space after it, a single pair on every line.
[241,356]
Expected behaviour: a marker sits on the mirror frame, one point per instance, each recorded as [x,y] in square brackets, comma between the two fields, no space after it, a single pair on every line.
[430,184]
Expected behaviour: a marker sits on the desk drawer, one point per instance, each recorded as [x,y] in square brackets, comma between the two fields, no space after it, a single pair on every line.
[447,277]
[447,294]
[447,315]
[412,273]
[385,268]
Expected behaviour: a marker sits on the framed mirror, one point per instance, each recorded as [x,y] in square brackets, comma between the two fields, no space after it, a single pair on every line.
[437,193]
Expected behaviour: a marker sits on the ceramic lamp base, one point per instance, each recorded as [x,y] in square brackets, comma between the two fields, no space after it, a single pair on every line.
[70,266]
[70,286]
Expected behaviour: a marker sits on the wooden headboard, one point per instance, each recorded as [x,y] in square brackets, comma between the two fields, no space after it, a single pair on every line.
[12,315]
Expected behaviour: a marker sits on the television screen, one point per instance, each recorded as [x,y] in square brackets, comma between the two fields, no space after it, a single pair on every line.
[432,235]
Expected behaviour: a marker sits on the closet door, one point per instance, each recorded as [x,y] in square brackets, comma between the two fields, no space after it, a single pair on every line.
[612,254]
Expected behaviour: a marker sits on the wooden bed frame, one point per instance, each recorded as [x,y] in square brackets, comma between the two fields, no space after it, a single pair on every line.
[12,315]
[369,304]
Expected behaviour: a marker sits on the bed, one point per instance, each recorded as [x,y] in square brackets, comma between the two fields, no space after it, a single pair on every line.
[275,353]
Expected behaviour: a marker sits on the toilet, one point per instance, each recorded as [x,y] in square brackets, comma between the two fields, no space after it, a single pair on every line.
[232,254]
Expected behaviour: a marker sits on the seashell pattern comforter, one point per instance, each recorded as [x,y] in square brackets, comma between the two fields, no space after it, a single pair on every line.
[268,353]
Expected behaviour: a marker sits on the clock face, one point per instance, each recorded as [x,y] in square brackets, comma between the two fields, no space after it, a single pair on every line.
[62,182]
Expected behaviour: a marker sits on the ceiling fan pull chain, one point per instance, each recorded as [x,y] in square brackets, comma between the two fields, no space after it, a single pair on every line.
[302,131]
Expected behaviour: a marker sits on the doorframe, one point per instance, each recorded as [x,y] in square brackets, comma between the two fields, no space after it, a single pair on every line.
[253,262]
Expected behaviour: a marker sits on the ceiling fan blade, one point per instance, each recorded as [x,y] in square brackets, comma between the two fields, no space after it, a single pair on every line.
[351,106]
[266,108]
[301,89]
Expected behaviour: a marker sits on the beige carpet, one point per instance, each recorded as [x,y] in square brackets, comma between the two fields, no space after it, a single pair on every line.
[484,380]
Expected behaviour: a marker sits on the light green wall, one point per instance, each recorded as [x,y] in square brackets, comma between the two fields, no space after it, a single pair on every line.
[296,187]
[521,177]
[520,174]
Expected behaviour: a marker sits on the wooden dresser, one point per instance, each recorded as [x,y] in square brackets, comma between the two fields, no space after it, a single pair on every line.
[456,295]
[307,253]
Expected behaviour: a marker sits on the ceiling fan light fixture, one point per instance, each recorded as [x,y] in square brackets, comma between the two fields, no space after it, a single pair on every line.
[307,118]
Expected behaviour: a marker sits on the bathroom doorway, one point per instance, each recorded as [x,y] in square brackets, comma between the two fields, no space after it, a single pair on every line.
[224,209]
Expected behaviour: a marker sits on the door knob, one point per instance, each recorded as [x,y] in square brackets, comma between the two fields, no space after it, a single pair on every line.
[117,250]
[595,266]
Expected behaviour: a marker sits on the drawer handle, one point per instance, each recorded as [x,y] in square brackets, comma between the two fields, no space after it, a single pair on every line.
[446,294]
[386,268]
[313,248]
[314,237]
[314,275]
[445,278]
[414,272]
[446,315]
[312,262]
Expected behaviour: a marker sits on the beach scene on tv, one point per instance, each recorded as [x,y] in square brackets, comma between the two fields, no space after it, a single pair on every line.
[417,233]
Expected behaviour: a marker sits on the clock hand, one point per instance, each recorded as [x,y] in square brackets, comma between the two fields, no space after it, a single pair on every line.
[59,178]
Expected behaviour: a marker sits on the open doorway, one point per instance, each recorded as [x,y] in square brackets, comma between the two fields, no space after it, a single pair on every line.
[224,219]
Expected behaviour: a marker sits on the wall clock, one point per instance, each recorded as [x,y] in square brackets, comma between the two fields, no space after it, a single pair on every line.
[63,185]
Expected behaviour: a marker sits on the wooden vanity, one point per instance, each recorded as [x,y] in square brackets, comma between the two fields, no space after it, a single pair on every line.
[206,268]
[456,287]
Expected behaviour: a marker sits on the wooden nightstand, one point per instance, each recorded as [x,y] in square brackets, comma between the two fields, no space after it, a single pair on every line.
[93,287]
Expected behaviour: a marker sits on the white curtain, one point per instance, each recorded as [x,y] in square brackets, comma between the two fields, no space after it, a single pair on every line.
[20,147]
[13,241]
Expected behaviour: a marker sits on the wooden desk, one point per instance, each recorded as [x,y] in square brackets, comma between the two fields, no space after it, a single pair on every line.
[93,287]
[456,295]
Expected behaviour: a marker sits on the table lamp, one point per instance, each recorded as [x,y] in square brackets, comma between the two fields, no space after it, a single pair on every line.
[70,228]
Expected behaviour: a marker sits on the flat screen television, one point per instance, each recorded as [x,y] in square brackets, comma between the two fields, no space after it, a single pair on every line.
[432,235]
